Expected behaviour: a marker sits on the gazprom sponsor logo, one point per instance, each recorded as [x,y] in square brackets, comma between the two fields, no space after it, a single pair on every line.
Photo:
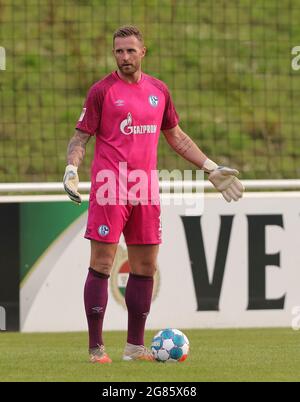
[127,128]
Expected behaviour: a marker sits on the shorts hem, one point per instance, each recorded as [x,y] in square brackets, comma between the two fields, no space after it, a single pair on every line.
[101,240]
[128,243]
[138,243]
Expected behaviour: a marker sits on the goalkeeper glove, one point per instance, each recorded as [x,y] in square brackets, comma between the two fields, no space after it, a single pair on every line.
[71,181]
[225,180]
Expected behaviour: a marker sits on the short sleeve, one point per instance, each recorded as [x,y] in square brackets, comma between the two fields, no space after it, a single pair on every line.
[170,117]
[89,120]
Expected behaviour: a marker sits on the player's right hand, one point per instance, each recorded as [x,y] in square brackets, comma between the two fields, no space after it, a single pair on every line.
[71,181]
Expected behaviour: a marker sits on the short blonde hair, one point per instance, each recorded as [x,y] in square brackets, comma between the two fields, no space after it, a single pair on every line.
[128,30]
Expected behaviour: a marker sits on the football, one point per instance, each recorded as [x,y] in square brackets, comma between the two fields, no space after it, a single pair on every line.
[170,345]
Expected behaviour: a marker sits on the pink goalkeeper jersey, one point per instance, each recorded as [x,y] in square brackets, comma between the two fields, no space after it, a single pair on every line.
[127,119]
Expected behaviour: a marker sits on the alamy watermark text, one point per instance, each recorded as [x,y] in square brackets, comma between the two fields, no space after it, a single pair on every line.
[2,58]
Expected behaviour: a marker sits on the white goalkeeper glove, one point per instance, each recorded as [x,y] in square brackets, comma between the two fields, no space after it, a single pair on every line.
[71,181]
[225,180]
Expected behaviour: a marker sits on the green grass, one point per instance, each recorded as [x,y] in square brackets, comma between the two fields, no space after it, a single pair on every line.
[227,63]
[216,355]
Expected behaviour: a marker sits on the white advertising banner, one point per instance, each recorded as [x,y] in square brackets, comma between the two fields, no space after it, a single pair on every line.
[230,265]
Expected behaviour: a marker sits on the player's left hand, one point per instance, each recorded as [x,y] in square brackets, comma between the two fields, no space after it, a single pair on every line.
[225,180]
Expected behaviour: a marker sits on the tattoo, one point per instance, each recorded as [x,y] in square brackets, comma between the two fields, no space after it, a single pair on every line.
[76,148]
[184,145]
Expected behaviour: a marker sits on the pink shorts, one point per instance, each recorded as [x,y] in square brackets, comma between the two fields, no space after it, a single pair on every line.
[140,224]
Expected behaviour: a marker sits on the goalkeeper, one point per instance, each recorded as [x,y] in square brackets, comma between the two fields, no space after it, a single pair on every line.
[126,112]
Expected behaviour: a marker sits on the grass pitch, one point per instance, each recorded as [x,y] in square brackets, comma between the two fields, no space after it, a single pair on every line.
[216,355]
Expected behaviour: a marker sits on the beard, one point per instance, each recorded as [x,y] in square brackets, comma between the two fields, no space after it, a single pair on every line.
[128,70]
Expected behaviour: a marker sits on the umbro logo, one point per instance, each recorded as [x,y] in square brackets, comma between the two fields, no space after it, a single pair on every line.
[97,310]
[119,102]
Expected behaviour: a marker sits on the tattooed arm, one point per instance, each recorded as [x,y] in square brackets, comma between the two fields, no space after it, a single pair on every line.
[223,178]
[76,148]
[75,155]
